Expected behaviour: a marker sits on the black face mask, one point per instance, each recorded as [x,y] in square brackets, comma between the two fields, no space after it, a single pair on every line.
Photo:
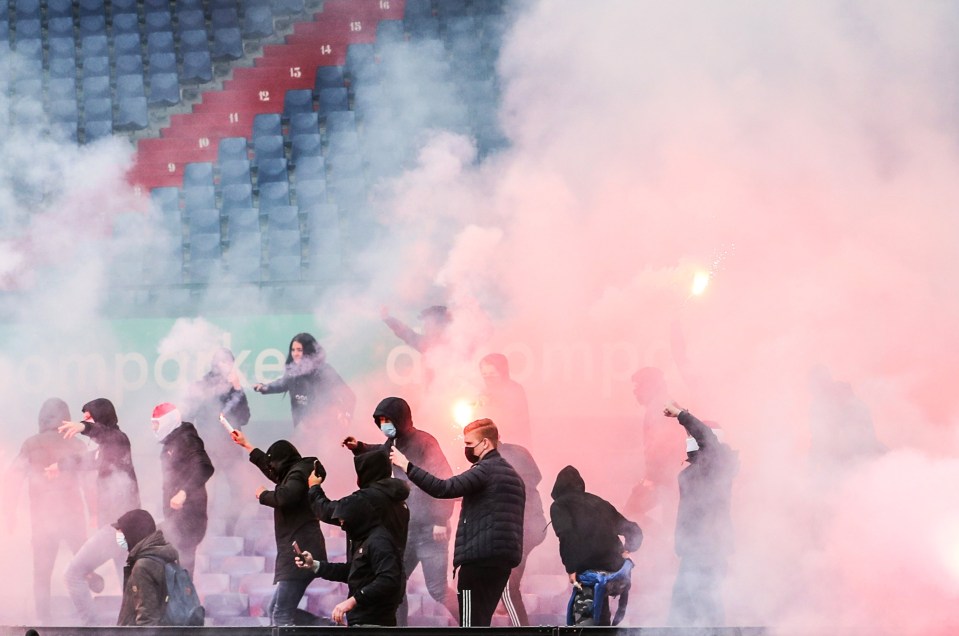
[470,453]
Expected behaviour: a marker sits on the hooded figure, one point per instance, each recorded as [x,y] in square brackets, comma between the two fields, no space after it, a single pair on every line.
[428,540]
[589,527]
[211,395]
[47,493]
[144,576]
[374,573]
[186,468]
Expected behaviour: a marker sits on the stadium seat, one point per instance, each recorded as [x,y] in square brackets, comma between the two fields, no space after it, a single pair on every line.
[162,63]
[297,101]
[274,194]
[451,8]
[198,197]
[307,145]
[227,44]
[224,19]
[63,68]
[64,111]
[303,123]
[164,89]
[154,21]
[242,221]
[160,42]
[232,149]
[130,86]
[236,196]
[30,89]
[425,28]
[94,46]
[96,67]
[333,99]
[328,77]
[359,57]
[90,7]
[204,221]
[125,23]
[28,28]
[166,199]
[90,25]
[155,5]
[129,65]
[55,8]
[235,171]
[310,168]
[62,28]
[123,6]
[243,259]
[283,267]
[343,143]
[61,88]
[341,121]
[267,147]
[202,270]
[415,8]
[95,129]
[271,171]
[197,67]
[96,87]
[190,20]
[267,124]
[127,44]
[257,20]
[284,217]
[323,248]
[284,242]
[132,113]
[310,193]
[198,174]
[288,7]
[389,32]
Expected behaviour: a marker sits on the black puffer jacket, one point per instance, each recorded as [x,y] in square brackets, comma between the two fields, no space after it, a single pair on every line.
[374,573]
[704,527]
[490,528]
[187,467]
[293,520]
[421,449]
[144,581]
[589,527]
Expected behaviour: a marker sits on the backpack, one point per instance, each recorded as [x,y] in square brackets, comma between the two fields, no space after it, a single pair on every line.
[586,604]
[182,605]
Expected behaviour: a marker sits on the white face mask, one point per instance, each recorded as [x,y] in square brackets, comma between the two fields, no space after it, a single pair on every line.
[122,540]
[691,445]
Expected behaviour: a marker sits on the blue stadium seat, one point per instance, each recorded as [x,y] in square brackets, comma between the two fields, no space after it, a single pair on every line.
[284,242]
[236,195]
[333,99]
[274,194]
[341,121]
[328,77]
[310,193]
[451,8]
[204,221]
[323,248]
[243,257]
[390,32]
[271,171]
[425,28]
[132,113]
[414,8]
[155,5]
[160,42]
[359,57]
[232,149]
[308,145]
[62,48]
[189,5]
[235,171]
[61,88]
[205,245]
[30,88]
[129,64]
[257,20]
[94,46]
[284,217]
[343,143]
[198,174]
[55,8]
[310,168]
[297,101]
[166,198]
[96,129]
[303,123]
[123,6]
[127,44]
[267,147]
[197,67]
[224,19]
[194,40]
[96,87]
[366,98]
[130,86]
[28,28]
[90,7]
[164,89]
[92,25]
[284,267]
[288,7]
[96,67]
[30,51]
[156,21]
[267,124]
[162,63]
[125,23]
[227,44]
[242,221]
[197,197]
[61,28]
[27,9]
[190,20]
[64,111]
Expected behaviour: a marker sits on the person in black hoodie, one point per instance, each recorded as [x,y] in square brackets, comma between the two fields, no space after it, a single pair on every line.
[186,468]
[56,504]
[428,541]
[374,571]
[144,576]
[704,529]
[293,520]
[317,392]
[117,493]
[489,535]
[589,530]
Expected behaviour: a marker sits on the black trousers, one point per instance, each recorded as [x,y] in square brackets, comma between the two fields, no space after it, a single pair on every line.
[478,589]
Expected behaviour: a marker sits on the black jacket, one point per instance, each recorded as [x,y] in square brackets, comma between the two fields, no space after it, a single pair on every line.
[589,527]
[117,489]
[315,388]
[208,397]
[187,467]
[374,573]
[421,449]
[490,529]
[704,527]
[144,581]
[293,520]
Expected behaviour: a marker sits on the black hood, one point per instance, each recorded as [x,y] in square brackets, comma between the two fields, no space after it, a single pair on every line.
[357,515]
[282,455]
[393,489]
[52,414]
[103,412]
[568,482]
[398,412]
[371,467]
[135,525]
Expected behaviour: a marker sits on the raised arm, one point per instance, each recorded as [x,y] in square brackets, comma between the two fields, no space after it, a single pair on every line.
[473,480]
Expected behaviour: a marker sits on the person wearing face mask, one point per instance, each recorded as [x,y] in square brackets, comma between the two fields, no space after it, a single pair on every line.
[704,529]
[117,493]
[428,539]
[374,570]
[489,535]
[293,520]
[186,468]
[144,575]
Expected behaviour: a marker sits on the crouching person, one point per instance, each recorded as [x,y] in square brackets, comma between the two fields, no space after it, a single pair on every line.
[144,575]
[374,573]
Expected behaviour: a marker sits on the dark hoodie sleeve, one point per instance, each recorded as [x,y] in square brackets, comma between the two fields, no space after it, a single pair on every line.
[258,459]
[703,435]
[289,492]
[473,480]
[405,333]
[280,385]
[562,522]
[630,531]
[114,445]
[334,571]
[322,506]
[236,408]
[387,574]
[196,460]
